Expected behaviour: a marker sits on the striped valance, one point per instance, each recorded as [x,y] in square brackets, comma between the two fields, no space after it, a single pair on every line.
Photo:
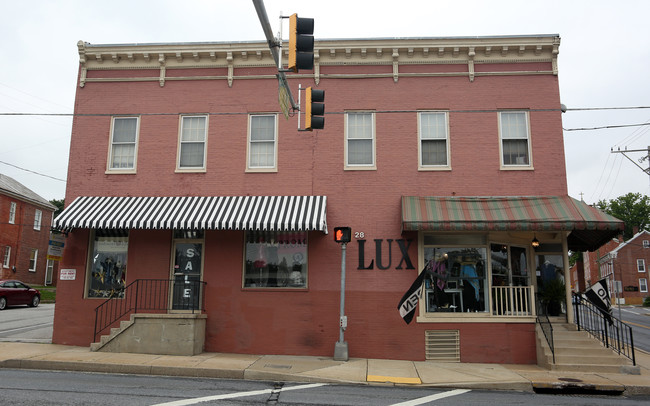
[274,213]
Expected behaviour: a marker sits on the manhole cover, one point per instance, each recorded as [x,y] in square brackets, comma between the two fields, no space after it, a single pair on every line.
[569,379]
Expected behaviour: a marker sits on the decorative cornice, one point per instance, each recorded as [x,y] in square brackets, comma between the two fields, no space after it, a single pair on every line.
[345,52]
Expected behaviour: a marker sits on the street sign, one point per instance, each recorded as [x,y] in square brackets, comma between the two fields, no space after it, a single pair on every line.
[284,98]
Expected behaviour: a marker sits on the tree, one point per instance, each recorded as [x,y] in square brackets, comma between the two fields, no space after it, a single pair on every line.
[59,206]
[632,208]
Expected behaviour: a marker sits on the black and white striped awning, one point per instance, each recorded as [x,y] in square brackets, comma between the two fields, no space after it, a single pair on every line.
[272,213]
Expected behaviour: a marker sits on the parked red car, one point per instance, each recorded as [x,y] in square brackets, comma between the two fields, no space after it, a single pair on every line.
[14,292]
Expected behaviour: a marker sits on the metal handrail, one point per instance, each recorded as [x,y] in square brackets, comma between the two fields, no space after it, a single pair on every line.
[154,295]
[547,327]
[612,332]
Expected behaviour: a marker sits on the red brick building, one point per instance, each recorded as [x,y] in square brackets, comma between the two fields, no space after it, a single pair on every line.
[441,151]
[625,266]
[25,234]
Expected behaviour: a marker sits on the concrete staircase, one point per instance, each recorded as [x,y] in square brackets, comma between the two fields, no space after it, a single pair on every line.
[578,351]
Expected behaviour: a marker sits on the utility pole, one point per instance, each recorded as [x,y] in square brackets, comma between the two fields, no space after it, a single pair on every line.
[646,157]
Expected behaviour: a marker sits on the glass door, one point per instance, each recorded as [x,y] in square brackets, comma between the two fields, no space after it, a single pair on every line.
[186,283]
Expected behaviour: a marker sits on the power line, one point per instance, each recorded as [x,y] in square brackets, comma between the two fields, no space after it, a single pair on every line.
[34,172]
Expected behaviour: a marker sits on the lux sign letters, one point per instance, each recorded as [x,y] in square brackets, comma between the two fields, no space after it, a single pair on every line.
[403,248]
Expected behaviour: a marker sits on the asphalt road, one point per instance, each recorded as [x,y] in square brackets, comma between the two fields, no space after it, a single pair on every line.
[48,388]
[27,324]
[639,319]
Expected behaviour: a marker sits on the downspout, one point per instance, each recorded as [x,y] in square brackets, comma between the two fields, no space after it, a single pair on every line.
[567,278]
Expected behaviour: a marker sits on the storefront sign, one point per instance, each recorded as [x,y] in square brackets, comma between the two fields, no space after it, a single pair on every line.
[55,247]
[67,274]
[403,246]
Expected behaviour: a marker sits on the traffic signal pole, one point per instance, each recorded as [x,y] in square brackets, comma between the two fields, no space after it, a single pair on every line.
[341,347]
[275,45]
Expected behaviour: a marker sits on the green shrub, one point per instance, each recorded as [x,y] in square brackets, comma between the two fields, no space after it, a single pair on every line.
[646,302]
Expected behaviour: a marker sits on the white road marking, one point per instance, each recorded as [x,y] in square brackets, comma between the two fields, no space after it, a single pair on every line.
[237,395]
[431,398]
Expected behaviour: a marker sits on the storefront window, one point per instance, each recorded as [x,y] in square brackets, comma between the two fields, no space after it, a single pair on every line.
[458,281]
[275,260]
[107,274]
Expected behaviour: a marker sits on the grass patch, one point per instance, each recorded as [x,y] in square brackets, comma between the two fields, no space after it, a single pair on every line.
[48,293]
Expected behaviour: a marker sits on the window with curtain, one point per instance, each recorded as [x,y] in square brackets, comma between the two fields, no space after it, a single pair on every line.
[192,142]
[360,140]
[434,140]
[12,213]
[124,137]
[262,148]
[515,138]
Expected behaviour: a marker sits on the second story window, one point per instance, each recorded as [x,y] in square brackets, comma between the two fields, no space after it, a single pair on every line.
[515,139]
[124,140]
[12,213]
[38,218]
[193,138]
[7,257]
[640,264]
[262,143]
[360,140]
[434,140]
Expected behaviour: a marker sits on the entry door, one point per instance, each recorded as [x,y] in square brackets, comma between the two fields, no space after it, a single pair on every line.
[509,266]
[186,286]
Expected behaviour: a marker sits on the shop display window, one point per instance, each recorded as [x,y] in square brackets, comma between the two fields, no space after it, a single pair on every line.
[275,260]
[107,274]
[458,279]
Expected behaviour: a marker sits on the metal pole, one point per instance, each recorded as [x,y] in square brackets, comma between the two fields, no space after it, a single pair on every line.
[275,46]
[341,347]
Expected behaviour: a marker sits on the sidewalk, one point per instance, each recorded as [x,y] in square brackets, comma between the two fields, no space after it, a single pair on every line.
[322,369]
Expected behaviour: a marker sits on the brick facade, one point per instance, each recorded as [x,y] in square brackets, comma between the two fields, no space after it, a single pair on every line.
[305,322]
[21,237]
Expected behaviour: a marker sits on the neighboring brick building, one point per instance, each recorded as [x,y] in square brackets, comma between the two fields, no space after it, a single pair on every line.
[183,167]
[625,262]
[25,234]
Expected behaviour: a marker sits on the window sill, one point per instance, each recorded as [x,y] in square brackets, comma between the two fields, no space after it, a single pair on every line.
[434,168]
[190,170]
[517,168]
[261,170]
[473,318]
[361,168]
[120,172]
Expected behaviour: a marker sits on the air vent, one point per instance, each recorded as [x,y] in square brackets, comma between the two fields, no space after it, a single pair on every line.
[442,345]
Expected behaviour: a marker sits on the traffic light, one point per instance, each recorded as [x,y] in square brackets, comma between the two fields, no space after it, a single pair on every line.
[301,43]
[342,234]
[314,109]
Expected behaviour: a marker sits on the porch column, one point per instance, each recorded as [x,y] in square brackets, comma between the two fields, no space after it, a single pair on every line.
[567,278]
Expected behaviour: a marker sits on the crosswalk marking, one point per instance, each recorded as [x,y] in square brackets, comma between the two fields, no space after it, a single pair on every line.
[194,401]
[431,398]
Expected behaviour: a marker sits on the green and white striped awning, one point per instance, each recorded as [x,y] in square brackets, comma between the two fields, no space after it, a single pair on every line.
[267,213]
[590,227]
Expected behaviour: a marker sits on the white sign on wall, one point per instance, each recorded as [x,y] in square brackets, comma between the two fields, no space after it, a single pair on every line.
[67,274]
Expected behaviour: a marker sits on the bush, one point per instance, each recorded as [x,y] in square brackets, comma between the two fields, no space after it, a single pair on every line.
[646,302]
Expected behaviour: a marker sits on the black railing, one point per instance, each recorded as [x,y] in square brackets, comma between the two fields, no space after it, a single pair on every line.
[612,332]
[153,295]
[546,326]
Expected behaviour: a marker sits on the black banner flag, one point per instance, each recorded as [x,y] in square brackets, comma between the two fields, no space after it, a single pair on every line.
[598,295]
[409,301]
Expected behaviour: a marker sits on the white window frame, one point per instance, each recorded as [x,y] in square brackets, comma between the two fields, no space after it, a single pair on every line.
[251,166]
[7,257]
[111,146]
[181,142]
[646,243]
[33,256]
[640,265]
[12,213]
[422,140]
[373,140]
[528,139]
[38,219]
[643,282]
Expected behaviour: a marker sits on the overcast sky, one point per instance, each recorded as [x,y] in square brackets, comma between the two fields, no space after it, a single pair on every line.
[603,62]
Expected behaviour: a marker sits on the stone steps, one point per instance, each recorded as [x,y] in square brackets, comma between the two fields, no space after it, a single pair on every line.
[577,351]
